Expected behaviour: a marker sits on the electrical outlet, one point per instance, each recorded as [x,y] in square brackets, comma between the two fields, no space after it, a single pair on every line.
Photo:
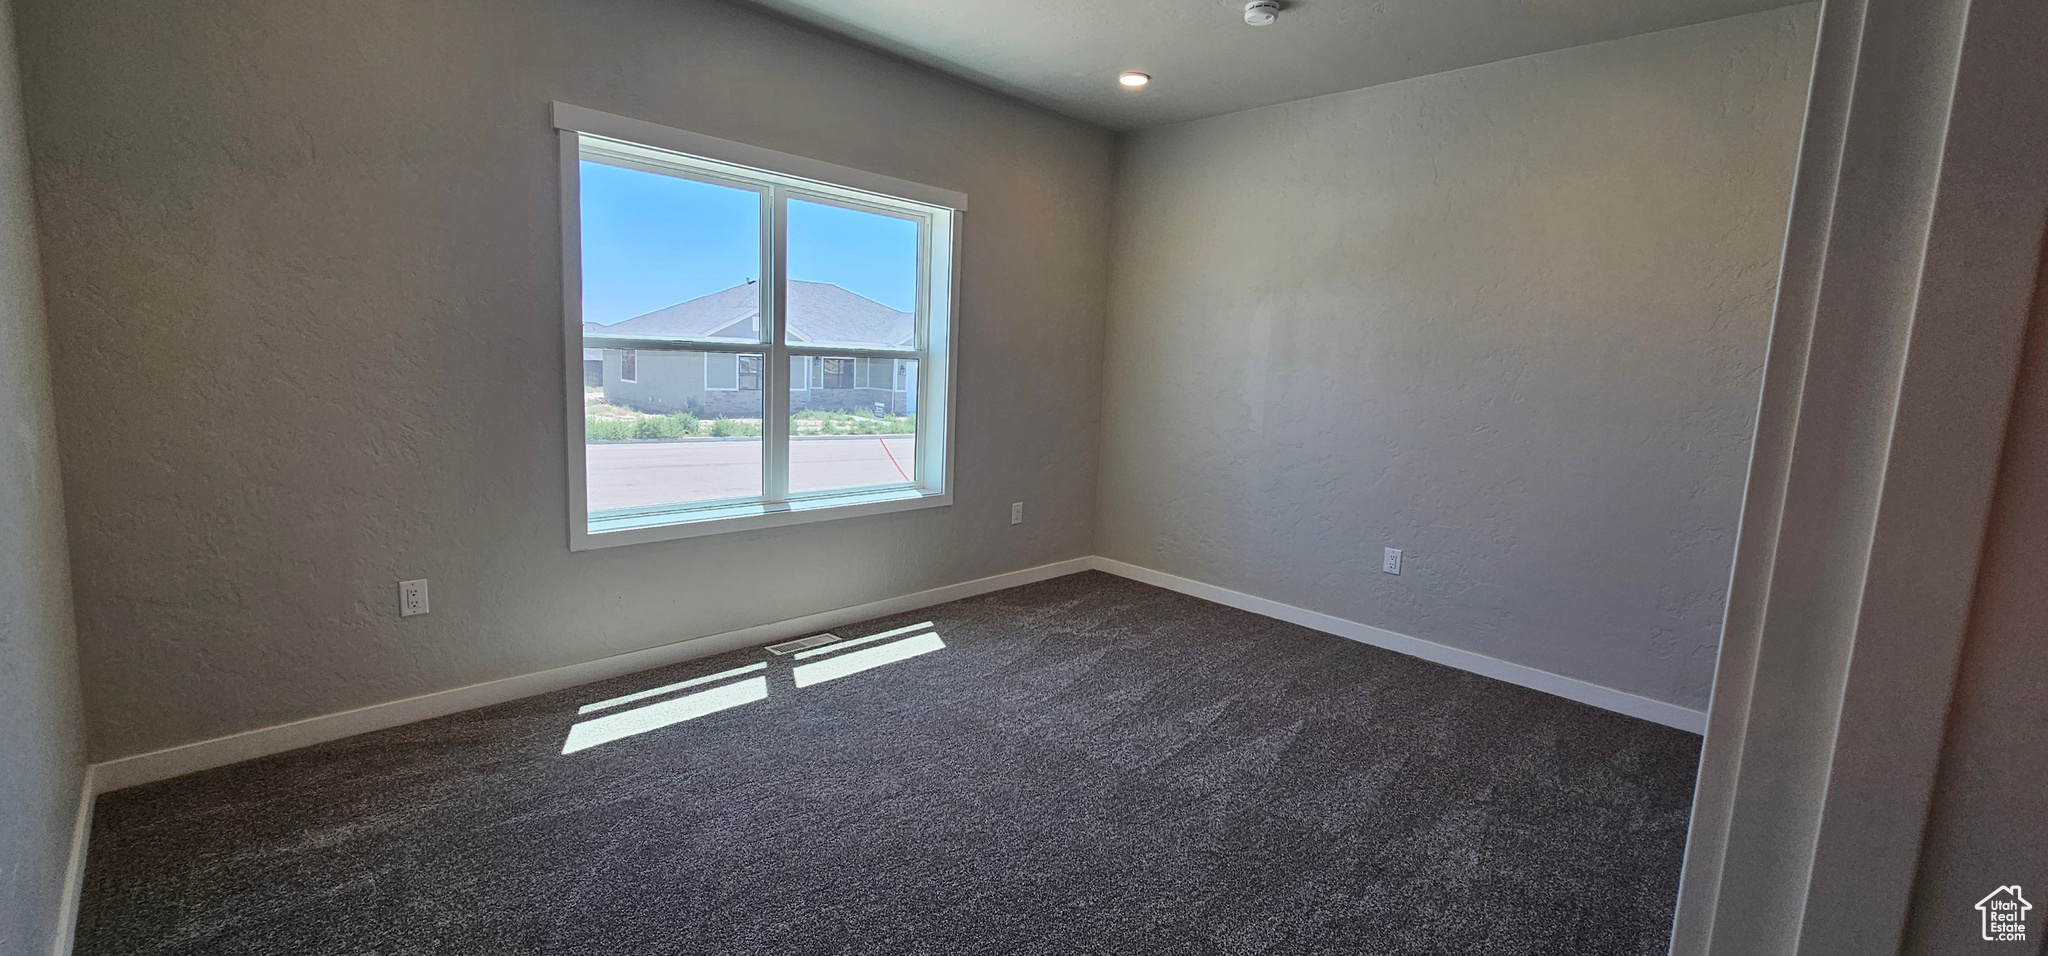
[412,597]
[1016,512]
[1391,563]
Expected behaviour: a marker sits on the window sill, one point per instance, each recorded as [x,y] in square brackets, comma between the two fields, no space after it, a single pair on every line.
[670,526]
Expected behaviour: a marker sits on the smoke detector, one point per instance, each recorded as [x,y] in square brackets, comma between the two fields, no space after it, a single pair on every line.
[1262,13]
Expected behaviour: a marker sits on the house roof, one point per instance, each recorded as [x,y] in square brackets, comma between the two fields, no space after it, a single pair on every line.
[818,312]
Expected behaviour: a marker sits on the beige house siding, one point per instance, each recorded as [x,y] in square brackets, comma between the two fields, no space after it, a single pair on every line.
[669,381]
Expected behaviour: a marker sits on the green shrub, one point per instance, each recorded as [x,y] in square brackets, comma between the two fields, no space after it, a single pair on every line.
[665,427]
[598,429]
[854,423]
[734,428]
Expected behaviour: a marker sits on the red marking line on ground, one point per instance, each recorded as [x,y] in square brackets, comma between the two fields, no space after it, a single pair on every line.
[892,457]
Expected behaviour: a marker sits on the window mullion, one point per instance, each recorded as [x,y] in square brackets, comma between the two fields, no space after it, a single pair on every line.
[922,337]
[775,378]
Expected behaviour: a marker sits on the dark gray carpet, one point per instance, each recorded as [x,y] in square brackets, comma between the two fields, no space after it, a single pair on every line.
[1089,766]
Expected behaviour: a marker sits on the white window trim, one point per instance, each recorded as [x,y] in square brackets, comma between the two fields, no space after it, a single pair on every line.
[938,317]
[633,379]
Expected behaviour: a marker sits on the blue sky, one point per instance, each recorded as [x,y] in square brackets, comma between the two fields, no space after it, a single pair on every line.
[651,241]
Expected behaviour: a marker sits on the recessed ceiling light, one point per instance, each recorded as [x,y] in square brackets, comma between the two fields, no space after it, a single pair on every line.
[1134,79]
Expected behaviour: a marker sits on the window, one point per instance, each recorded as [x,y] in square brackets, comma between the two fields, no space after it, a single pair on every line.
[731,372]
[783,328]
[721,372]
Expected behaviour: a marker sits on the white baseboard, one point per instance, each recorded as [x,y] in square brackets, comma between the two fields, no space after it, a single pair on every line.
[1605,698]
[262,742]
[74,869]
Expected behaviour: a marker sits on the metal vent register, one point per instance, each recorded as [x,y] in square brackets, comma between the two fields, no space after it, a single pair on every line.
[801,643]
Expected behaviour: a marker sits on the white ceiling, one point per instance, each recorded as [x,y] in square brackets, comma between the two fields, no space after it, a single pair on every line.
[1204,60]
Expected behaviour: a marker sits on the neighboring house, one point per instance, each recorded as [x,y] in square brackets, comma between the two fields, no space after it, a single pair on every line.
[593,360]
[710,384]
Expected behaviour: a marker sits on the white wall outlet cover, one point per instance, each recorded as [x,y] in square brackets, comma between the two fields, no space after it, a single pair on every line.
[412,597]
[1016,512]
[1391,562]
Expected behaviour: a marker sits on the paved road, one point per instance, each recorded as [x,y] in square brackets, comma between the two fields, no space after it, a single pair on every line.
[642,474]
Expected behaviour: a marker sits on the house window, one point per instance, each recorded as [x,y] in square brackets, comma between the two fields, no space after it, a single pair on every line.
[721,372]
[796,323]
[731,372]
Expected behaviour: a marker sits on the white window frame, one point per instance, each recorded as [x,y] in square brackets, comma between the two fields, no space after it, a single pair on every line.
[778,177]
[629,357]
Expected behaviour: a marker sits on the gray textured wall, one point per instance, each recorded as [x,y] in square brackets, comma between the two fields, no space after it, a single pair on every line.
[1510,319]
[306,312]
[42,740]
[1984,827]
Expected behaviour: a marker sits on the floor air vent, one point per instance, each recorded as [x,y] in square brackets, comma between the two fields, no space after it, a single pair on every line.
[791,647]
